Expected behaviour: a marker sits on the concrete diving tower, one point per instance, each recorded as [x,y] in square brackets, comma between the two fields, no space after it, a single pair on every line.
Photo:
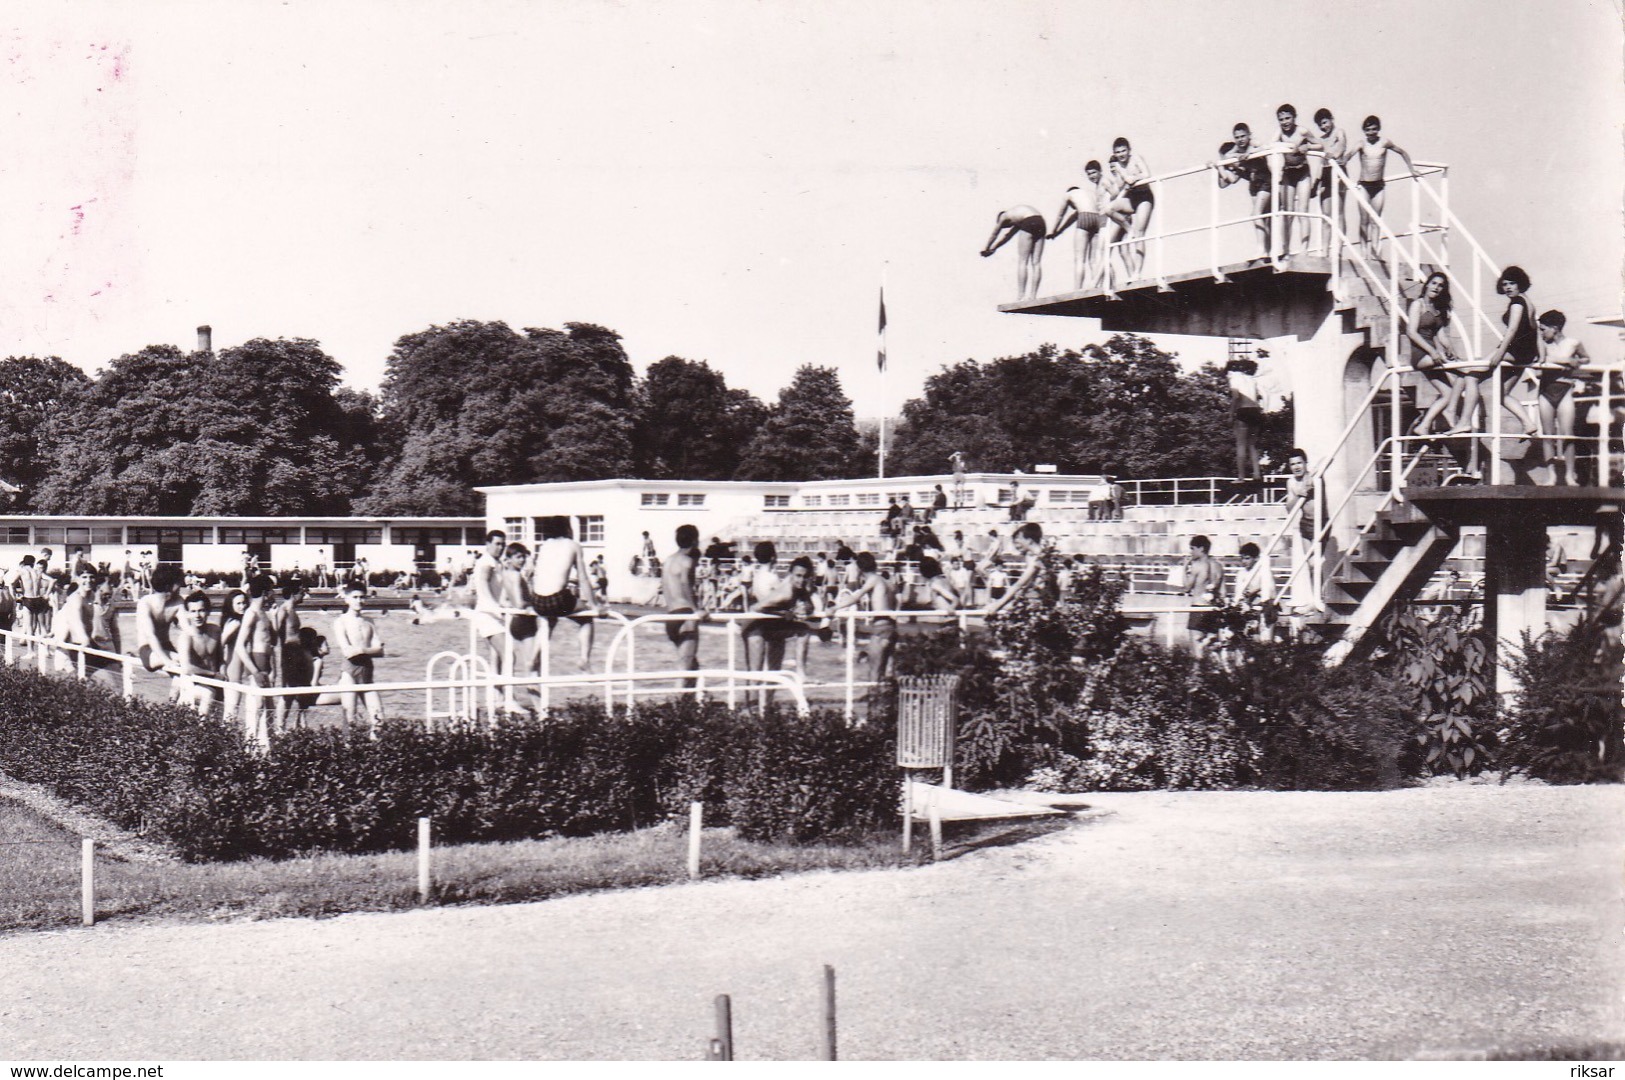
[1335,316]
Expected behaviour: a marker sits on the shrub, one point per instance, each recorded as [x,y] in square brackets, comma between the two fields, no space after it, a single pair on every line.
[1447,668]
[1566,721]
[1056,648]
[191,782]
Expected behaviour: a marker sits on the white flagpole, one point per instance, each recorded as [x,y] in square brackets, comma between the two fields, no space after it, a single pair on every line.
[885,367]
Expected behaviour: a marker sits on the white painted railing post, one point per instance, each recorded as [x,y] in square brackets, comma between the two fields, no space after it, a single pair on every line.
[425,879]
[696,822]
[1492,422]
[87,881]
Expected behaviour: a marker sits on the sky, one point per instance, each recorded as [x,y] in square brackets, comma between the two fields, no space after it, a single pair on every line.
[724,180]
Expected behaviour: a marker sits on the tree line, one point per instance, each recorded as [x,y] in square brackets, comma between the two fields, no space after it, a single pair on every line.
[266,427]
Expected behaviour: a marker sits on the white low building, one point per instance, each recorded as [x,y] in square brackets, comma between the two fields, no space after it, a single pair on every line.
[611,517]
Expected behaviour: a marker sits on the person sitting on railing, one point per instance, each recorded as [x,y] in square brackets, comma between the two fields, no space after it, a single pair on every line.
[558,556]
[1559,377]
[1294,179]
[1427,327]
[1519,347]
[1084,206]
[1373,155]
[1026,225]
[1241,161]
[1131,205]
[1332,143]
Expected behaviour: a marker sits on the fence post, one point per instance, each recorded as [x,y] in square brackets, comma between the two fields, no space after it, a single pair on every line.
[87,881]
[935,814]
[827,1029]
[722,1047]
[424,881]
[696,816]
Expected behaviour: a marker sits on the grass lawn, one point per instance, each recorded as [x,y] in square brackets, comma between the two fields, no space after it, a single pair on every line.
[39,873]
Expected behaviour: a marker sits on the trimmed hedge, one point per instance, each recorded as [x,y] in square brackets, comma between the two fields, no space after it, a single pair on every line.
[188,781]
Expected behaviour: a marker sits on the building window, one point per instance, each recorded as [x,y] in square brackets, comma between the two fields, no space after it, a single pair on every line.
[590,528]
[333,535]
[654,498]
[812,500]
[869,498]
[253,535]
[771,501]
[421,537]
[515,528]
[840,500]
[14,534]
[691,499]
[148,534]
[113,535]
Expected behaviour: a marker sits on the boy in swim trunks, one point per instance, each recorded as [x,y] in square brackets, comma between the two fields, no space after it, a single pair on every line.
[558,556]
[1331,142]
[677,583]
[1132,202]
[154,616]
[1026,226]
[197,647]
[1294,180]
[1560,374]
[256,652]
[879,591]
[359,644]
[1373,155]
[1240,161]
[1082,206]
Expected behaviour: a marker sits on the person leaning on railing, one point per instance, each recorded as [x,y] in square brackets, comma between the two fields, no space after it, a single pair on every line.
[1559,376]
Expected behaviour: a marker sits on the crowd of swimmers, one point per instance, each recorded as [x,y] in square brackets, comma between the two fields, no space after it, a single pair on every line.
[1111,210]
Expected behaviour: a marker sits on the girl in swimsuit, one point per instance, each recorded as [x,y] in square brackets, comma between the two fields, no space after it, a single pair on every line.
[1427,325]
[1519,346]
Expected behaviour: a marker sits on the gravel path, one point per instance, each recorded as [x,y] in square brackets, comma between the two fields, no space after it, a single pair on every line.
[1445,920]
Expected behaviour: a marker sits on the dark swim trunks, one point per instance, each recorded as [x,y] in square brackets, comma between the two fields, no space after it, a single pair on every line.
[1292,174]
[359,668]
[1555,389]
[1372,188]
[38,605]
[688,628]
[556,605]
[1141,195]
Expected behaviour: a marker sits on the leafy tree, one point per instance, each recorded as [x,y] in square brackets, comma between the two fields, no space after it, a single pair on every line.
[255,429]
[32,391]
[1123,407]
[691,425]
[477,404]
[809,435]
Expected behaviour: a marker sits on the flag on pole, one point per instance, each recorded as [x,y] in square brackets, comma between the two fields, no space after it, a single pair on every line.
[880,357]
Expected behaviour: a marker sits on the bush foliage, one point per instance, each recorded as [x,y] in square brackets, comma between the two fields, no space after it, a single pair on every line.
[190,782]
